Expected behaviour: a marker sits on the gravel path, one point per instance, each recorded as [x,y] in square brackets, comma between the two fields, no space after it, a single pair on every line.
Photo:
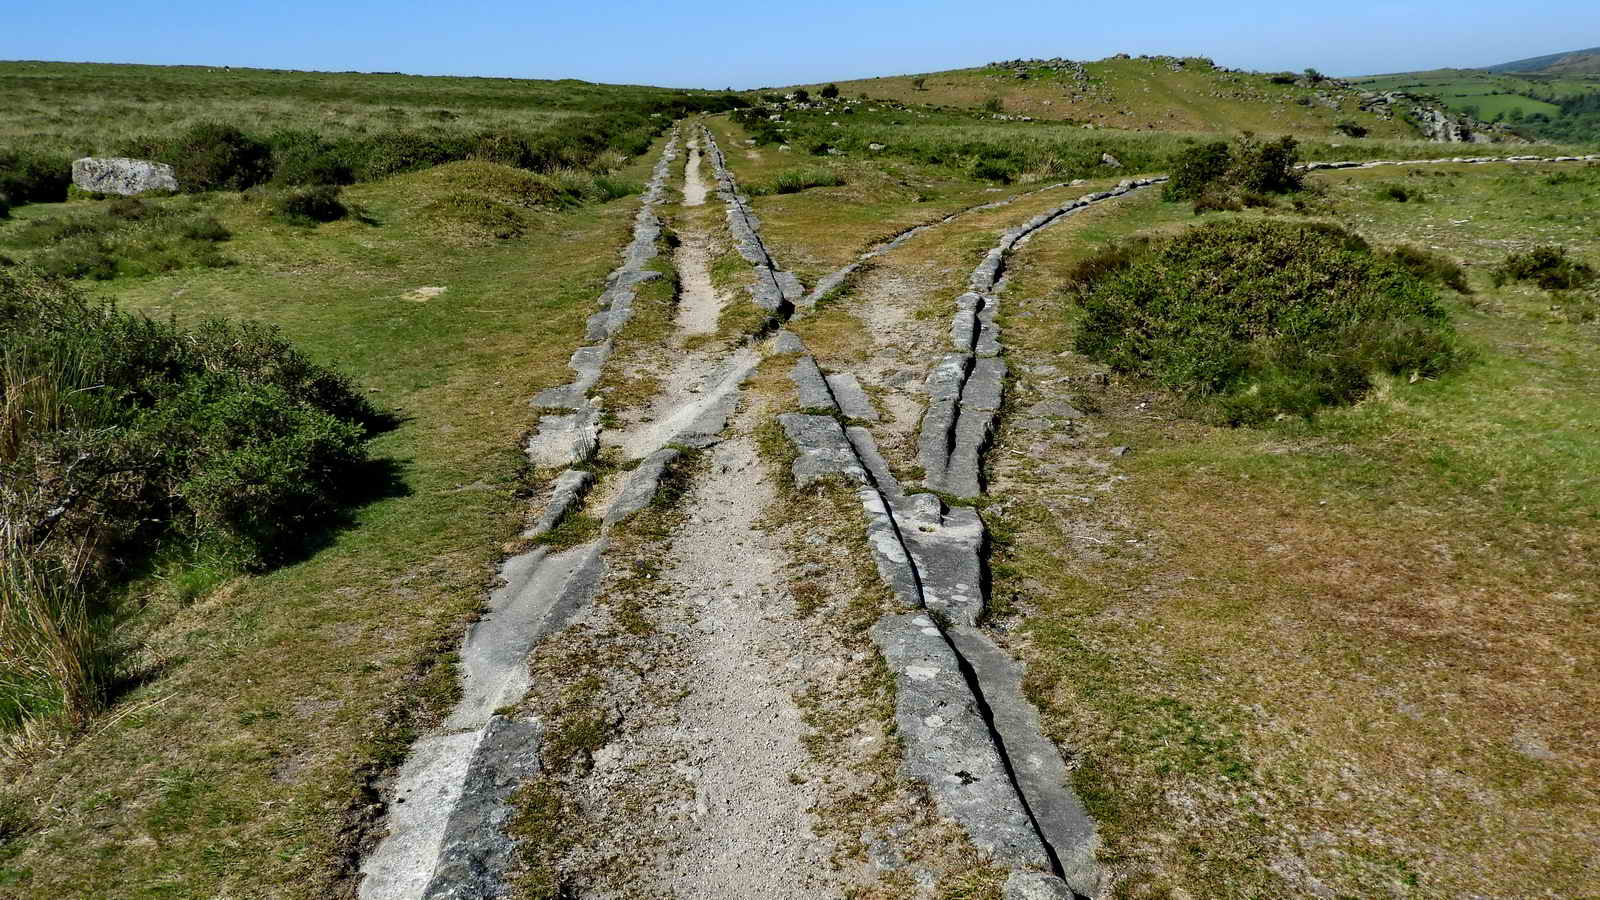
[750,833]
[694,189]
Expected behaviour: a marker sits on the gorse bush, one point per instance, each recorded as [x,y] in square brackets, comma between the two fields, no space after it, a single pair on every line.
[1399,193]
[1546,266]
[213,156]
[1255,319]
[1195,169]
[1219,176]
[830,92]
[28,177]
[120,435]
[168,414]
[1431,266]
[309,205]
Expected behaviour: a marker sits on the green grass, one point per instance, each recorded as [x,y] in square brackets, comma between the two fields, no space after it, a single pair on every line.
[238,766]
[1346,655]
[87,109]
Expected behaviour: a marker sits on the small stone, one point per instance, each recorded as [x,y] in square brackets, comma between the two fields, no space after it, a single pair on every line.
[1112,161]
[1121,451]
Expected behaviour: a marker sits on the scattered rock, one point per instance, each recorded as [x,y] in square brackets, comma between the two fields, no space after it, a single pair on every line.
[1059,408]
[1121,451]
[1109,160]
[120,175]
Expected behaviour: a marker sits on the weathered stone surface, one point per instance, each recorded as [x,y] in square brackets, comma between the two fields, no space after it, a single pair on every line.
[877,467]
[562,440]
[948,747]
[641,486]
[1025,884]
[786,341]
[851,398]
[1036,764]
[939,420]
[120,175]
[568,489]
[476,849]
[976,413]
[824,449]
[813,388]
[988,342]
[586,362]
[964,328]
[829,284]
[945,547]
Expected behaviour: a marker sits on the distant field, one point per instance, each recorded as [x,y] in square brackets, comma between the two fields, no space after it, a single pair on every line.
[89,109]
[1492,93]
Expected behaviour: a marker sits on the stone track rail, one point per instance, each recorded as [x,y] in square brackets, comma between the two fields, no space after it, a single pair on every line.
[969,733]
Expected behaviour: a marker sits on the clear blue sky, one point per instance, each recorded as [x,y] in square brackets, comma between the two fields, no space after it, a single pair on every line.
[746,45]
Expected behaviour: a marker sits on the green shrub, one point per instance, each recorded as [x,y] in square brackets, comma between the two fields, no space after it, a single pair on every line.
[607,188]
[1351,129]
[1546,266]
[170,409]
[309,205]
[1195,169]
[121,436]
[29,177]
[1399,193]
[302,157]
[830,92]
[801,96]
[993,105]
[1432,266]
[1219,177]
[1256,319]
[212,156]
[1265,166]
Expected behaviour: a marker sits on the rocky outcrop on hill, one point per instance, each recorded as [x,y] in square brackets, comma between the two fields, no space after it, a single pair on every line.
[1435,123]
[119,175]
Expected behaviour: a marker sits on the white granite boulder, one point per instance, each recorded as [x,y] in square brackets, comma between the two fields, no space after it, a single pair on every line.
[118,175]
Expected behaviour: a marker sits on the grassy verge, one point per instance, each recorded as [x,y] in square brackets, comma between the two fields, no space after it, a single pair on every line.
[1340,657]
[248,763]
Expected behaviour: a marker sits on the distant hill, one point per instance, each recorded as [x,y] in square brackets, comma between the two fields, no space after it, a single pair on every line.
[1573,62]
[1148,93]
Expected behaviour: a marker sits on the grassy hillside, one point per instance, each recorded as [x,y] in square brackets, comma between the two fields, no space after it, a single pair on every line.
[1141,94]
[1570,63]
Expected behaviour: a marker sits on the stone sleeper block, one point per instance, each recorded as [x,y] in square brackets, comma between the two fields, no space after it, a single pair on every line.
[1036,764]
[812,387]
[641,486]
[950,748]
[851,398]
[569,488]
